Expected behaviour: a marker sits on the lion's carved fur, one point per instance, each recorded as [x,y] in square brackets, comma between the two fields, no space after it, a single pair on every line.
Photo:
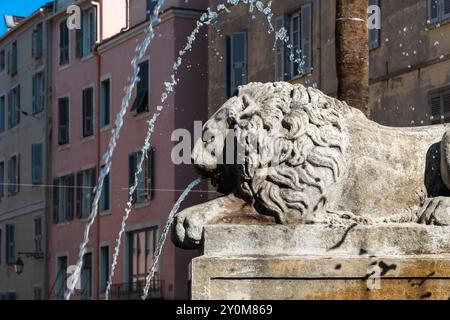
[308,135]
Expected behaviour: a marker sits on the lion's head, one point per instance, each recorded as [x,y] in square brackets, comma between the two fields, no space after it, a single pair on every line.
[289,149]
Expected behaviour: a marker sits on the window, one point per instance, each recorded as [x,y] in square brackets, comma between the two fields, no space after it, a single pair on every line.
[105,103]
[299,29]
[236,53]
[88,112]
[104,267]
[2,60]
[63,121]
[12,59]
[86,181]
[438,11]
[141,103]
[142,246]
[10,243]
[374,34]
[63,199]
[105,197]
[64,43]
[13,175]
[37,163]
[38,235]
[14,107]
[61,277]
[2,179]
[38,42]
[86,277]
[38,90]
[86,37]
[144,190]
[440,106]
[2,114]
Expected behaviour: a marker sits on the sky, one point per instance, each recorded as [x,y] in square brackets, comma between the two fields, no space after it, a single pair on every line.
[17,8]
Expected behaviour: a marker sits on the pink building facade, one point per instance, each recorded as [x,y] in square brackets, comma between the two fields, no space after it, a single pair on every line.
[89,71]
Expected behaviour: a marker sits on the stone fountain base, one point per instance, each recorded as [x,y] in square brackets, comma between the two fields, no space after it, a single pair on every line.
[252,262]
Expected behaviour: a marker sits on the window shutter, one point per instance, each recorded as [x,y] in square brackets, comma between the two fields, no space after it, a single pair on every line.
[17,176]
[18,107]
[36,160]
[93,27]
[34,43]
[238,61]
[282,69]
[8,63]
[63,121]
[446,106]
[79,39]
[40,41]
[150,170]
[446,9]
[43,90]
[436,109]
[55,200]
[70,198]
[306,31]
[10,175]
[79,194]
[131,169]
[34,93]
[10,109]
[433,11]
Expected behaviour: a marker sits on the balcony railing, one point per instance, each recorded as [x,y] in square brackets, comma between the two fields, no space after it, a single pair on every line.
[133,291]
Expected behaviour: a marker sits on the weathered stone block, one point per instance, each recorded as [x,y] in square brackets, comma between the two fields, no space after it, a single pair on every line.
[320,262]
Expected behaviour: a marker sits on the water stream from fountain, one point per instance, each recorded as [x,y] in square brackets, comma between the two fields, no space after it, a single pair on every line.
[205,19]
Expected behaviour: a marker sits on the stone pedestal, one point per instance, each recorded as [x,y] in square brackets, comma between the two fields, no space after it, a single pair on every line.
[320,262]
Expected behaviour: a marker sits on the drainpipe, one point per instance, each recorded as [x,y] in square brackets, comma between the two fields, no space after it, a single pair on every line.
[96,269]
[127,16]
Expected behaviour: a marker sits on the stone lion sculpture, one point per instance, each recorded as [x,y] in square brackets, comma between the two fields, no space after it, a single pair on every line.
[309,158]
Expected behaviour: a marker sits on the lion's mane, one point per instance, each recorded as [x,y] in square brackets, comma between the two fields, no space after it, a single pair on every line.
[303,128]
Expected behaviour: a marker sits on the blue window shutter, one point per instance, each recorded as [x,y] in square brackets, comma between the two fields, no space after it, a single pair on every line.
[34,93]
[55,198]
[18,107]
[2,114]
[93,26]
[306,31]
[433,11]
[79,38]
[446,9]
[37,162]
[282,62]
[238,61]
